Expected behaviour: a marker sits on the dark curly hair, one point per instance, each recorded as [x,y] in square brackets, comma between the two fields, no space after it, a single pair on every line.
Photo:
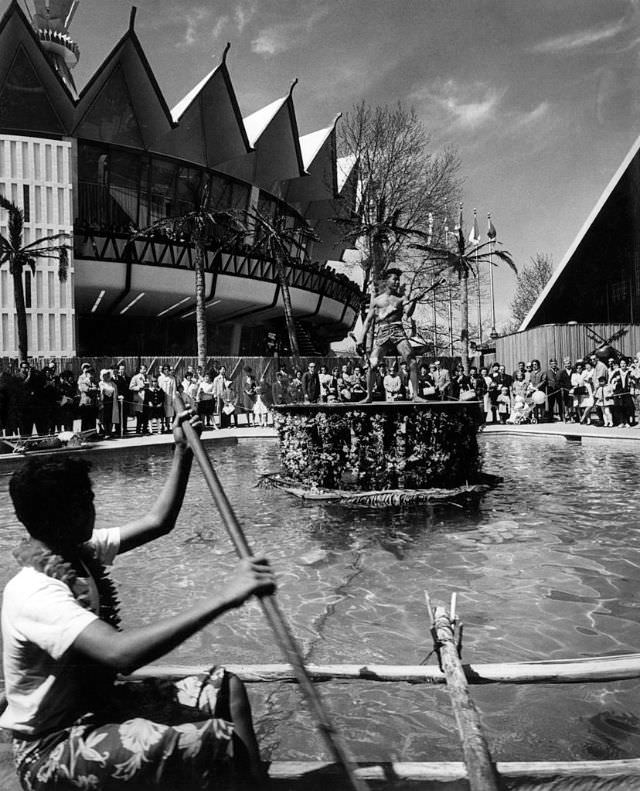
[42,492]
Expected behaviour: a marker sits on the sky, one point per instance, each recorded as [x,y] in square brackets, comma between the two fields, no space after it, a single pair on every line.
[541,99]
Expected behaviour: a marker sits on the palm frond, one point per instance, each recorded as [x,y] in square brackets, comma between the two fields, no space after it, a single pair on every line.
[47,241]
[16,226]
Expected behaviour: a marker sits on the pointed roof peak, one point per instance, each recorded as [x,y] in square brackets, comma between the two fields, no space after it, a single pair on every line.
[311,143]
[187,100]
[132,17]
[257,122]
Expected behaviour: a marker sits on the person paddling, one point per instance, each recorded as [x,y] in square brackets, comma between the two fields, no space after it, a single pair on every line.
[74,723]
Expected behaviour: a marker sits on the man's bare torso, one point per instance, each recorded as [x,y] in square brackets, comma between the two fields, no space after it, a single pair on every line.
[388,308]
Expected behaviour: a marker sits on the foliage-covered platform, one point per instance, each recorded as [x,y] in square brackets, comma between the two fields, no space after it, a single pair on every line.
[381,446]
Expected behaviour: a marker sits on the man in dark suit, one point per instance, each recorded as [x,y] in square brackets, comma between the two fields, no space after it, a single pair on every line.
[554,393]
[311,384]
[564,383]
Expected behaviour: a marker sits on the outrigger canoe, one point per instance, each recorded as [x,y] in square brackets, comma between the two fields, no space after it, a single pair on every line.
[622,775]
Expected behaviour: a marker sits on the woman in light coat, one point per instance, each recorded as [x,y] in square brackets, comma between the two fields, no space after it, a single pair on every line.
[137,387]
[169,385]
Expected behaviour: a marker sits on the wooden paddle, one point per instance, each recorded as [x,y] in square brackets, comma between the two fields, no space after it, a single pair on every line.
[274,616]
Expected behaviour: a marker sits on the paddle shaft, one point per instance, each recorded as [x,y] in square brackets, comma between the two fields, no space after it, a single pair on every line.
[274,616]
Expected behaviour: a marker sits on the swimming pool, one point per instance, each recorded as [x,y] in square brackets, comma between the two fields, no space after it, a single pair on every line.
[547,567]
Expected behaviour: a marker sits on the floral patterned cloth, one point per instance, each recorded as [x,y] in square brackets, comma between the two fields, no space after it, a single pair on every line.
[174,741]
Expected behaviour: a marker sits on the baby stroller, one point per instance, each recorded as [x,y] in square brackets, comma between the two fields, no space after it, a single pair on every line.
[523,411]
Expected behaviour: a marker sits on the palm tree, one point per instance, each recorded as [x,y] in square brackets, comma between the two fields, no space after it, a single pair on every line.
[276,241]
[204,229]
[464,259]
[20,255]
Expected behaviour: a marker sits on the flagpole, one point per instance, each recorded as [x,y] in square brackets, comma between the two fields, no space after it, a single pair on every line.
[474,238]
[451,347]
[436,347]
[479,299]
[491,233]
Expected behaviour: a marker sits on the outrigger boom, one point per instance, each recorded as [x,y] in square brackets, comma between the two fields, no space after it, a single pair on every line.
[478,772]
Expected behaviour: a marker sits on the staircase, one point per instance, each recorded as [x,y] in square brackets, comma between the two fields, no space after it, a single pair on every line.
[305,342]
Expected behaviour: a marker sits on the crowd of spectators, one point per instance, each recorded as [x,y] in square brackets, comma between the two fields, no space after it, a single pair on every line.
[112,402]
[588,390]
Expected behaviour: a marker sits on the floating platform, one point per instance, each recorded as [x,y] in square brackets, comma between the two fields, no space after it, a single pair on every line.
[467,495]
[385,447]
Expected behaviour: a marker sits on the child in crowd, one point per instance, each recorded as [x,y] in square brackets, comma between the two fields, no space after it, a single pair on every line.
[153,407]
[260,409]
[228,414]
[504,404]
[603,398]
[206,400]
[519,411]
[189,388]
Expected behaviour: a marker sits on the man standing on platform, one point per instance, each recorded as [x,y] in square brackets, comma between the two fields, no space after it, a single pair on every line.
[385,314]
[311,384]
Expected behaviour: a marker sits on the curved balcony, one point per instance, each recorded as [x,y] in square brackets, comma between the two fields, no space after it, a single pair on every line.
[154,278]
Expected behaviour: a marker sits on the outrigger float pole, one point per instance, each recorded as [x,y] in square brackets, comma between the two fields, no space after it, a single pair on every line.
[274,616]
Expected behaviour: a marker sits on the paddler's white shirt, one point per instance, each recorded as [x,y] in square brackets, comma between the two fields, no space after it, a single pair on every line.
[40,621]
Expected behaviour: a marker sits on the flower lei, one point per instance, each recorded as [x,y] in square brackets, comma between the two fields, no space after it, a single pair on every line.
[34,553]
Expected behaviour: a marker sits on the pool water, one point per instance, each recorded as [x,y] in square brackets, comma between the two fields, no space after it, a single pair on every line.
[548,567]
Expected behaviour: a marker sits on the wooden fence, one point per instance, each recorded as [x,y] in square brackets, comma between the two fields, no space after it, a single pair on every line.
[559,341]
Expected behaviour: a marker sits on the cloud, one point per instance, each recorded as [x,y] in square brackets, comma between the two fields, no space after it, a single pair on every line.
[466,105]
[243,14]
[193,20]
[580,39]
[219,27]
[471,114]
[281,37]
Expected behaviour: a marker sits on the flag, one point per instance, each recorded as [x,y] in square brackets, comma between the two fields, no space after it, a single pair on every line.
[459,231]
[474,236]
[491,232]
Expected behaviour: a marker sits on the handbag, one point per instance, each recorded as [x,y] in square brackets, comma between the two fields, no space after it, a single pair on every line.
[468,395]
[428,391]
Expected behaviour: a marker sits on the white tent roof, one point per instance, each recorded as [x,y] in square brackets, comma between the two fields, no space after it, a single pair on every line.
[185,102]
[581,234]
[311,144]
[257,122]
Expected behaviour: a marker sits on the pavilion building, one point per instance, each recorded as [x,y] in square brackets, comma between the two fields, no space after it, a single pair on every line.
[114,157]
[592,300]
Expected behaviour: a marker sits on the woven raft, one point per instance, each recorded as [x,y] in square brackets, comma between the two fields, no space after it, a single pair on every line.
[385,498]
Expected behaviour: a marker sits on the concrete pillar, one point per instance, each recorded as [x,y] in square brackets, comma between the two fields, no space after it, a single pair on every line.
[236,336]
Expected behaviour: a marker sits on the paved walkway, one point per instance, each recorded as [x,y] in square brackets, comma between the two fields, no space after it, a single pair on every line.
[571,432]
[132,440]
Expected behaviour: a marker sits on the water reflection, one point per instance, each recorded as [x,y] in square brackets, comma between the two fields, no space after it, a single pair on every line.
[547,567]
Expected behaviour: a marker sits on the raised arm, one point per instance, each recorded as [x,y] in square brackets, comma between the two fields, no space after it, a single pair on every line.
[125,651]
[161,519]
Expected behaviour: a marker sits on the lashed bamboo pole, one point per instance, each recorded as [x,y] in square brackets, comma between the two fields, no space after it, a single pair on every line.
[481,771]
[271,610]
[560,671]
[450,771]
